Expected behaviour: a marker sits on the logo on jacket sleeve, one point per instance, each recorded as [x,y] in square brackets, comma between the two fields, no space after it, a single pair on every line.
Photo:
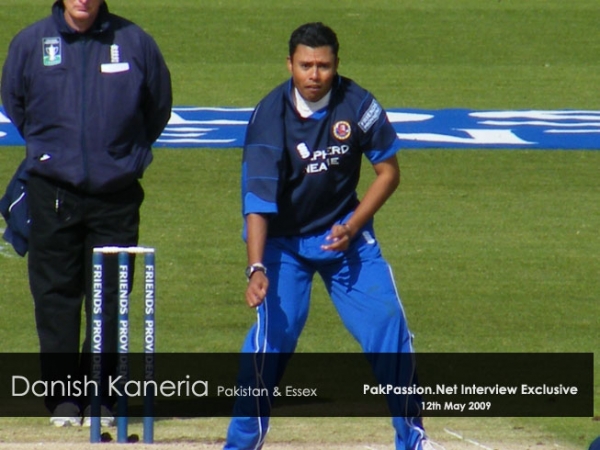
[342,130]
[52,51]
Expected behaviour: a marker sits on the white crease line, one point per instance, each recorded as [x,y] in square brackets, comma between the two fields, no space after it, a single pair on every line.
[470,441]
[452,433]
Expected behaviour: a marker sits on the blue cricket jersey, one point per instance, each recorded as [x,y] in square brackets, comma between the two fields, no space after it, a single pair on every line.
[303,172]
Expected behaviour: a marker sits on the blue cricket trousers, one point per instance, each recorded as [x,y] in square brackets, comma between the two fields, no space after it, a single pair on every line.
[362,288]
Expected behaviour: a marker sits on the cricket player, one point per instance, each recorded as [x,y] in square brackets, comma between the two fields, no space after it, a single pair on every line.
[301,165]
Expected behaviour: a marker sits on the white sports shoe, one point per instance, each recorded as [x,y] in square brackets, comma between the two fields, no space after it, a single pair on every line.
[106,417]
[66,415]
[426,444]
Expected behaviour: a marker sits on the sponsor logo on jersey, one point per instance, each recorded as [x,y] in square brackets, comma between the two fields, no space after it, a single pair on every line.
[342,130]
[52,51]
[323,160]
[370,116]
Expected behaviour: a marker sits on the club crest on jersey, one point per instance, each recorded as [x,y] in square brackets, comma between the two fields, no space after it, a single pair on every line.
[342,130]
[52,49]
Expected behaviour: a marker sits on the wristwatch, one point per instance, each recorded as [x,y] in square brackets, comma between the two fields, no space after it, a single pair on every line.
[256,267]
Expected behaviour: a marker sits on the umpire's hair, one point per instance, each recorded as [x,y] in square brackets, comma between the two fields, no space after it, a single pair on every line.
[314,34]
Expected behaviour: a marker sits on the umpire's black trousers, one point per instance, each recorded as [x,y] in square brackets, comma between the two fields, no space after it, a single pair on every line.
[66,225]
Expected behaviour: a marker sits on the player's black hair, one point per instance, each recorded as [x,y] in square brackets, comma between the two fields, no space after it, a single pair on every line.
[314,34]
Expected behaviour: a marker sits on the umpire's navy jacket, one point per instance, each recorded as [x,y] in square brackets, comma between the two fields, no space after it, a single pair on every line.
[90,105]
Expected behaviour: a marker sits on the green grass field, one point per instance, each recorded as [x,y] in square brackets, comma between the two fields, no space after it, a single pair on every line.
[493,250]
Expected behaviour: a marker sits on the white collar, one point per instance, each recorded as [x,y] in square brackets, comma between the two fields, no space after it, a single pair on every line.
[306,108]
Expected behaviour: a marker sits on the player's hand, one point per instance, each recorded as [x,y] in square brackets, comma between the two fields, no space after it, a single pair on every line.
[257,289]
[339,238]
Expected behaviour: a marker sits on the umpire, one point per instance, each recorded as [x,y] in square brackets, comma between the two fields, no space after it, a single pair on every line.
[90,93]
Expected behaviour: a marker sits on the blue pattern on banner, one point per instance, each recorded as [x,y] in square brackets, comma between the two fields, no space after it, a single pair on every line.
[196,127]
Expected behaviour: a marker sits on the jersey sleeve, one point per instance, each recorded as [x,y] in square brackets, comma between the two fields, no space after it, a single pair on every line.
[379,139]
[262,162]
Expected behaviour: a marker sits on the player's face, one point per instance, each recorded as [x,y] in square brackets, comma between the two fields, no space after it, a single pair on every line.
[313,71]
[81,14]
